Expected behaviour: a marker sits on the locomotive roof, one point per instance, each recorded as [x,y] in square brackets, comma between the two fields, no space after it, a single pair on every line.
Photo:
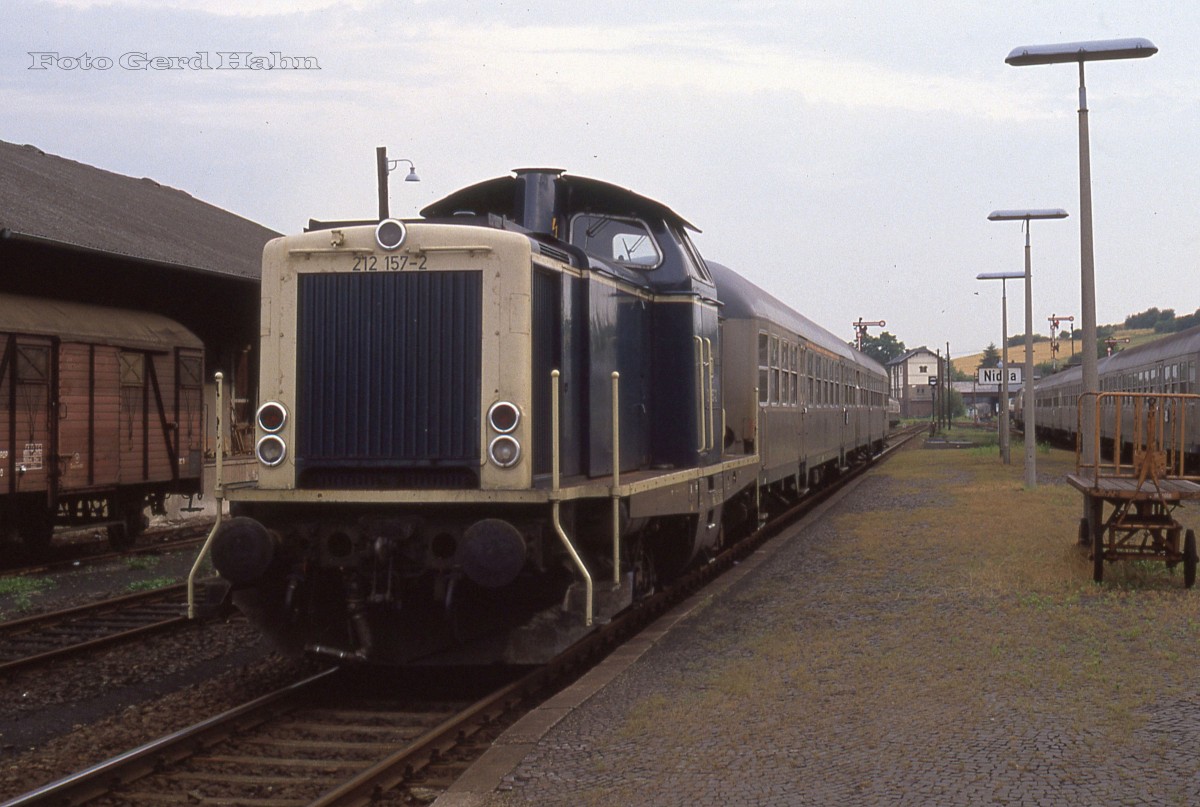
[39,316]
[741,299]
[46,198]
[583,194]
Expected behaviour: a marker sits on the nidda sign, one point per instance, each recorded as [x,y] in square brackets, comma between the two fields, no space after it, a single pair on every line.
[992,375]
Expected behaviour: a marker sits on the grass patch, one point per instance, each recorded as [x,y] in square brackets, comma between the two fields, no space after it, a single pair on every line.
[141,563]
[21,591]
[151,583]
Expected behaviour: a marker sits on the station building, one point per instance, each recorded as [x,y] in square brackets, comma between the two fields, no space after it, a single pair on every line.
[911,377]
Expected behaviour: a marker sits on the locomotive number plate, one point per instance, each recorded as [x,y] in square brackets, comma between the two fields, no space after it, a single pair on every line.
[388,263]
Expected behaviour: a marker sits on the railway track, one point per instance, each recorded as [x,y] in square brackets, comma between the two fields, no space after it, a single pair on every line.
[38,639]
[312,744]
[152,542]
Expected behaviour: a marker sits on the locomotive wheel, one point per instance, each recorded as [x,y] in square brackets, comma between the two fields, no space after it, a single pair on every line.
[1098,556]
[1189,559]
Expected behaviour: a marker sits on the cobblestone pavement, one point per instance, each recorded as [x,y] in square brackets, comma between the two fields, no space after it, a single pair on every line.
[850,670]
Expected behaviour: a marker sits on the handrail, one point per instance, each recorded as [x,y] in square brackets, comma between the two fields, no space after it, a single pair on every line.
[699,356]
[616,478]
[709,396]
[218,494]
[555,504]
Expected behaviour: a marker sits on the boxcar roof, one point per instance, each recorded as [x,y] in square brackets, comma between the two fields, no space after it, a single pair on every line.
[741,299]
[37,316]
[48,198]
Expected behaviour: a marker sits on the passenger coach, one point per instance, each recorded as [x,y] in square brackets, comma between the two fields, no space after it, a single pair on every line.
[1167,366]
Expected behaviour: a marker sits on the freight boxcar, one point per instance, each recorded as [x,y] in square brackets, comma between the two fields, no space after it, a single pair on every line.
[101,416]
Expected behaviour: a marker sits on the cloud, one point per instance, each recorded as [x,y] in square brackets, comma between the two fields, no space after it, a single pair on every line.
[704,58]
[223,8]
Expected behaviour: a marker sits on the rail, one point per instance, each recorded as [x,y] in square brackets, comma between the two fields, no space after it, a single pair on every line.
[41,638]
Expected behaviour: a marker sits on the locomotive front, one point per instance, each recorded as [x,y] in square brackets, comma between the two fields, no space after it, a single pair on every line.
[395,370]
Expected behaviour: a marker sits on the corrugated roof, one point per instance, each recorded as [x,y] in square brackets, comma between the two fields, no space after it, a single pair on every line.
[43,196]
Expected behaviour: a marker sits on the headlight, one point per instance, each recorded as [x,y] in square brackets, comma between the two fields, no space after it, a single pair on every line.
[504,416]
[271,417]
[271,450]
[390,234]
[505,451]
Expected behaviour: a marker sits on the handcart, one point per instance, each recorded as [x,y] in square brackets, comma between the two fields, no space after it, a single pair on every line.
[1143,482]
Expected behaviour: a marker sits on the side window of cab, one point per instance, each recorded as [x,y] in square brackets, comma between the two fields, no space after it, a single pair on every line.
[615,239]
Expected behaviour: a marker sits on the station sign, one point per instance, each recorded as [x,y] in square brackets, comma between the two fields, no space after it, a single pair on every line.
[994,375]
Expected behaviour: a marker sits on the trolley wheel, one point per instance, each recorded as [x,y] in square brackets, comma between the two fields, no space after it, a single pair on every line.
[1189,559]
[1085,537]
[1098,556]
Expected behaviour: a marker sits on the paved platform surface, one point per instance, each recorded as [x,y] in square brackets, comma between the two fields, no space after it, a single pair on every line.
[838,667]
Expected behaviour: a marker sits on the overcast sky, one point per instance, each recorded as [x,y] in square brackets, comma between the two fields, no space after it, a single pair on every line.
[842,155]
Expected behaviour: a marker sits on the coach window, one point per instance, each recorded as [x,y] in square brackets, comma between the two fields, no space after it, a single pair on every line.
[764,367]
[795,374]
[774,369]
[627,242]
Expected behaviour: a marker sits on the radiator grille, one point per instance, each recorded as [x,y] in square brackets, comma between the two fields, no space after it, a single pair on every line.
[388,374]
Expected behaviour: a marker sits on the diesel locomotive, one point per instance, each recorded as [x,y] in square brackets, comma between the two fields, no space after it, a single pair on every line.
[486,429]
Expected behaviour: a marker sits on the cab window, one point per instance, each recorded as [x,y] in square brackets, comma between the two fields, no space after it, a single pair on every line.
[618,240]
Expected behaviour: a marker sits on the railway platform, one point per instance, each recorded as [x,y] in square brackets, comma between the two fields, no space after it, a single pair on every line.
[884,651]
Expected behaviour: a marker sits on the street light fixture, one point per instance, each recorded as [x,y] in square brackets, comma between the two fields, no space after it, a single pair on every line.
[383,167]
[1097,50]
[1030,410]
[1004,277]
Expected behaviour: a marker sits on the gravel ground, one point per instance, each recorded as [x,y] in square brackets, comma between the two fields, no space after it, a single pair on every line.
[57,720]
[922,645]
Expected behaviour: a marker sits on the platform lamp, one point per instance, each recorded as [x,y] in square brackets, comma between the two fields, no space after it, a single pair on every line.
[1003,277]
[1027,216]
[383,167]
[1096,50]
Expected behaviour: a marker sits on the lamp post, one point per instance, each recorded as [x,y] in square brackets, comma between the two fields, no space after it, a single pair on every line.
[1098,50]
[1003,277]
[1030,410]
[384,166]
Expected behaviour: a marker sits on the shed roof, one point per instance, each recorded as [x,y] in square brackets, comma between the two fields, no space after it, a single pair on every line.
[46,198]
